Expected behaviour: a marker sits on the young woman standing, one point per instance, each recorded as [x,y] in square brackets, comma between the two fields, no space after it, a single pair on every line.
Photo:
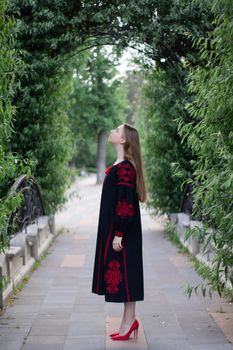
[118,264]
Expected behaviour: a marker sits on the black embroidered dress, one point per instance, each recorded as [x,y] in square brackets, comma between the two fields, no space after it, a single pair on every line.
[119,274]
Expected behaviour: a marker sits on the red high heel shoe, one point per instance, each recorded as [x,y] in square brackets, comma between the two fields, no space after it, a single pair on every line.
[126,336]
[112,335]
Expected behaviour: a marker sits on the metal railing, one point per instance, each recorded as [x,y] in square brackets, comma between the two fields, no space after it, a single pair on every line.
[31,207]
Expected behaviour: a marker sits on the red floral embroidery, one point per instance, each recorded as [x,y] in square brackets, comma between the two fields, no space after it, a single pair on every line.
[113,277]
[124,208]
[114,264]
[108,169]
[127,173]
[119,233]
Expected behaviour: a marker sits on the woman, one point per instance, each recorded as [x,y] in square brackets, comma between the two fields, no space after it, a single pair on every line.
[118,265]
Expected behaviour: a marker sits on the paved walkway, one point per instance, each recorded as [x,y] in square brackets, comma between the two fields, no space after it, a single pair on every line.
[56,309]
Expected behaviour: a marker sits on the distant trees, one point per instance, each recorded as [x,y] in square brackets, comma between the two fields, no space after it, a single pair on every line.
[133,82]
[98,104]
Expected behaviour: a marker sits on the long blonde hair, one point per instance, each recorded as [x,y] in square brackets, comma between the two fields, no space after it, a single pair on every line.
[132,152]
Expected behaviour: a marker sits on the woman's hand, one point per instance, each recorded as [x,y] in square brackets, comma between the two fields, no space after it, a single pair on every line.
[116,243]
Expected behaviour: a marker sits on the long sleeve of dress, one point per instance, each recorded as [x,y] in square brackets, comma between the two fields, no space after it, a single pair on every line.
[126,195]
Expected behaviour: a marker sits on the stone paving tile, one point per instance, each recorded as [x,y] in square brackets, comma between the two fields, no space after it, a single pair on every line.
[48,321]
[14,329]
[11,345]
[42,347]
[29,300]
[45,339]
[225,321]
[85,343]
[22,309]
[82,236]
[11,341]
[57,311]
[168,344]
[73,260]
[49,330]
[212,347]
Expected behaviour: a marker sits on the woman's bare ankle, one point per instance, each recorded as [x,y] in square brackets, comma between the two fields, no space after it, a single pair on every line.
[122,327]
[125,325]
[130,320]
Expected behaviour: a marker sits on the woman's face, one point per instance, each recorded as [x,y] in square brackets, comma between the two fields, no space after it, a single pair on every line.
[117,135]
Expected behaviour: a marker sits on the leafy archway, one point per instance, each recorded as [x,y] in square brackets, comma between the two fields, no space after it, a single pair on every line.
[51,33]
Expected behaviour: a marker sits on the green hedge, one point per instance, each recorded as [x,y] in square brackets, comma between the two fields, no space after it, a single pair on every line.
[210,136]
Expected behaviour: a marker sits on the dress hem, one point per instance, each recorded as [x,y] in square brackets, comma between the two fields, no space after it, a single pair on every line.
[118,301]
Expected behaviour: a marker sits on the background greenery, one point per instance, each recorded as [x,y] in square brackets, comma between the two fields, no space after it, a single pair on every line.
[63,92]
[10,164]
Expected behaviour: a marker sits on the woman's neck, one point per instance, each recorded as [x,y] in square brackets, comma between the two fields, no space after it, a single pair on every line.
[120,154]
[118,161]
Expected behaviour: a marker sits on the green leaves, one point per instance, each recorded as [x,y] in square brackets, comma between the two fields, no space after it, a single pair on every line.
[168,157]
[211,138]
[10,164]
[187,118]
